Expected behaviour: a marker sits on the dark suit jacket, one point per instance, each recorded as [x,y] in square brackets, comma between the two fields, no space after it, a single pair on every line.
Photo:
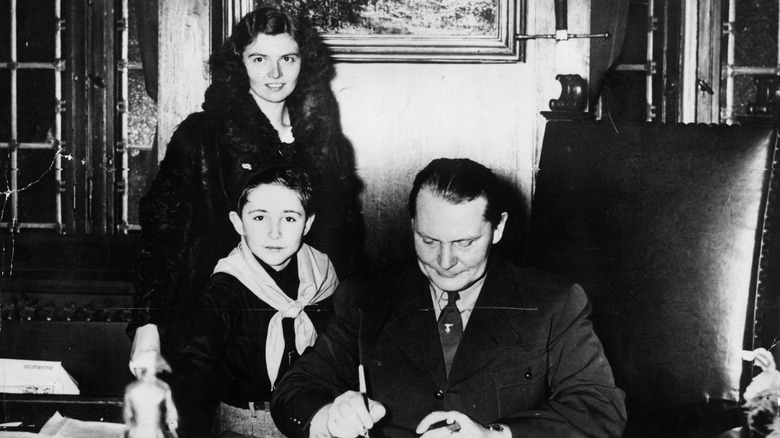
[528,358]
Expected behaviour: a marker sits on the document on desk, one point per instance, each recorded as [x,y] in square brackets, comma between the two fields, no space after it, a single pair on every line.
[35,377]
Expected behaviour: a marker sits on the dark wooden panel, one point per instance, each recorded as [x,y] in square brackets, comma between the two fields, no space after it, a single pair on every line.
[96,354]
[35,410]
[49,256]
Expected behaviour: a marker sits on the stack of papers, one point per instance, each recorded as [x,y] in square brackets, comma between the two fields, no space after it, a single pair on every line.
[61,427]
[35,377]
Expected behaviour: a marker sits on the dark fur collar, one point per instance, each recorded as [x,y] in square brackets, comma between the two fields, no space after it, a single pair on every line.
[315,126]
[246,127]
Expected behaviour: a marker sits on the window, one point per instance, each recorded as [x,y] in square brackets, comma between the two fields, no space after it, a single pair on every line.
[76,124]
[644,84]
[693,61]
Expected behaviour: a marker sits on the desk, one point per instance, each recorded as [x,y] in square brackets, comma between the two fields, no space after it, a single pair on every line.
[96,354]
[34,410]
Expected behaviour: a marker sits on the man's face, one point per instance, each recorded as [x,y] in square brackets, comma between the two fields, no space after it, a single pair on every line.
[273,223]
[453,241]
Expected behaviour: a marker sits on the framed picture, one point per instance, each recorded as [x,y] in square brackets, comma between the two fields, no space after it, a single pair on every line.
[451,31]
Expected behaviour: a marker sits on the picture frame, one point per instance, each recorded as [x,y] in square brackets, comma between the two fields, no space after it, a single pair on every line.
[499,47]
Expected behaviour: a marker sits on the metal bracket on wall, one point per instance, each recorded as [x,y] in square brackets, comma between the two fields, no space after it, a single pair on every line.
[561,27]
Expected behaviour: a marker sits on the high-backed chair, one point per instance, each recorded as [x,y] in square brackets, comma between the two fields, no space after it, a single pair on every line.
[668,229]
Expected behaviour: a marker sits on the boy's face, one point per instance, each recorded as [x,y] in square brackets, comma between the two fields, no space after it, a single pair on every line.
[273,224]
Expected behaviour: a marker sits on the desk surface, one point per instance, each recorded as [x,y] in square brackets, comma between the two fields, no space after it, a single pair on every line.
[34,410]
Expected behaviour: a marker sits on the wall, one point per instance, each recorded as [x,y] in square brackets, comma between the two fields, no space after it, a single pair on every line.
[400,116]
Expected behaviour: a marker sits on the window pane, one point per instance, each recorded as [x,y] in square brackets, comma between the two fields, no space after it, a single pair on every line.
[5,31]
[755,43]
[5,180]
[635,41]
[398,17]
[36,105]
[133,47]
[37,186]
[744,93]
[142,166]
[35,30]
[5,106]
[143,111]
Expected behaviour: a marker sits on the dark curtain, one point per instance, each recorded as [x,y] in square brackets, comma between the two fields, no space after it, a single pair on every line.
[605,16]
[148,25]
[148,20]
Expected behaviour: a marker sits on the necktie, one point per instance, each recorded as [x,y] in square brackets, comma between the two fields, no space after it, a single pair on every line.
[450,329]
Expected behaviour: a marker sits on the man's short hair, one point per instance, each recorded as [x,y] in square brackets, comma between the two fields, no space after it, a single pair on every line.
[460,180]
[292,177]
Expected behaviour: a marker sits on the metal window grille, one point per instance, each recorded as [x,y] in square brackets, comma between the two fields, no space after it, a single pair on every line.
[730,70]
[11,218]
[92,193]
[726,99]
[649,67]
[122,110]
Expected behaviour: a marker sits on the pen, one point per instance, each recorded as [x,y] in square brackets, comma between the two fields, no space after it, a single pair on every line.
[362,383]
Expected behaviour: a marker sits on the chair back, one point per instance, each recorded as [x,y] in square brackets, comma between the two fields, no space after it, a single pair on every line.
[667,227]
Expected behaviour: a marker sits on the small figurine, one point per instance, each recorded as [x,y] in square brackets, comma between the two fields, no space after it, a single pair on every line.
[148,407]
[761,396]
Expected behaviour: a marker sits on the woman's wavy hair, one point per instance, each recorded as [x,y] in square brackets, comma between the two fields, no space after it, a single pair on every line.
[228,73]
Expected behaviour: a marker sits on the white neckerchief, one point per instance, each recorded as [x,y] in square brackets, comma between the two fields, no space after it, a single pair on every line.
[317,281]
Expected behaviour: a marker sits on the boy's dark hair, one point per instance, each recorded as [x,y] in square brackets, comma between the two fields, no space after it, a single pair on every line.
[292,177]
[459,180]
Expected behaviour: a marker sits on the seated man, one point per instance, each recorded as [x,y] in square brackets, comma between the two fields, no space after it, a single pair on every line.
[459,339]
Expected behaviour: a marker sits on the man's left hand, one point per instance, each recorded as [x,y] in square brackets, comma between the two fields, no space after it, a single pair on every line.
[468,427]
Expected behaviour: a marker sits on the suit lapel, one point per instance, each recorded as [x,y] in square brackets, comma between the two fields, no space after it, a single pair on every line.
[413,326]
[494,323]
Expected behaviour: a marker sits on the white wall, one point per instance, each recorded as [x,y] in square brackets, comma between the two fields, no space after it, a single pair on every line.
[400,116]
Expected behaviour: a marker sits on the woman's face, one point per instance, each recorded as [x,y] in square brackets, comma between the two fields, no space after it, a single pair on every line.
[273,64]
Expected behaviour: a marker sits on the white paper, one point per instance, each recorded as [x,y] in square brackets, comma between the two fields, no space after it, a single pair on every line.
[35,377]
[61,427]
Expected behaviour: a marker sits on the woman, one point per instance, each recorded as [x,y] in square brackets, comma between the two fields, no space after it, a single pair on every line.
[269,102]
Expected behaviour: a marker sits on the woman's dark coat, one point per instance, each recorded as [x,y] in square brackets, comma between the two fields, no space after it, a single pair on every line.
[184,215]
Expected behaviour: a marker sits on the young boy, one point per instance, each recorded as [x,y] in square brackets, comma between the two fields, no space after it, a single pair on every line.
[262,308]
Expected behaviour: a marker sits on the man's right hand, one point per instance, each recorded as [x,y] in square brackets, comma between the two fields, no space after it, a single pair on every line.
[346,417]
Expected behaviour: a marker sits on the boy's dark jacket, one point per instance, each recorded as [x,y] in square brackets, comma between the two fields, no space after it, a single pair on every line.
[223,357]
